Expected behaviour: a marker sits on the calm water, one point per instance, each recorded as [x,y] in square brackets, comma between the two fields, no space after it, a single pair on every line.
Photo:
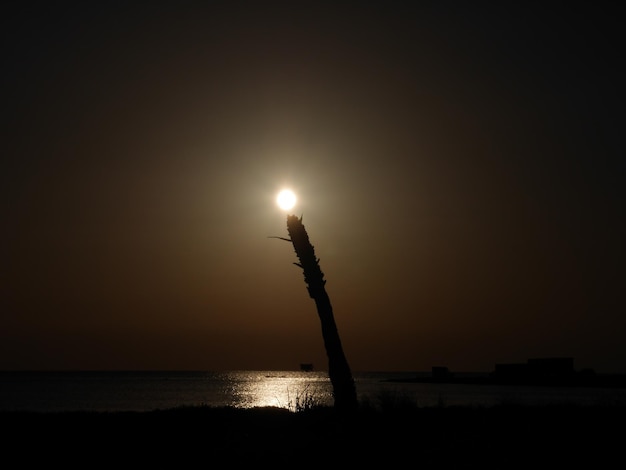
[145,391]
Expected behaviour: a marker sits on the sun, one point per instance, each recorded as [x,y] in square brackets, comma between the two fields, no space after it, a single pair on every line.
[286,199]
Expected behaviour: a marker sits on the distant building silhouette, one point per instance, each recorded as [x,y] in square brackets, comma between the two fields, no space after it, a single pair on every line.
[551,366]
[534,370]
[552,371]
[441,373]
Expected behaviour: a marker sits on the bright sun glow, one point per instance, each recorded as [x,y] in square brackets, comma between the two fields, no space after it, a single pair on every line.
[286,199]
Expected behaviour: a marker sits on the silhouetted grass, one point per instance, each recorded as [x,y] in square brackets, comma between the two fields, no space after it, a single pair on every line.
[504,436]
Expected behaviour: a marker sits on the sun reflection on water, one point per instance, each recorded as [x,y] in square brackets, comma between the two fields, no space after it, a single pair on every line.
[291,390]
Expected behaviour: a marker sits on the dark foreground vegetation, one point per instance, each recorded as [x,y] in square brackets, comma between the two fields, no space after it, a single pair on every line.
[503,436]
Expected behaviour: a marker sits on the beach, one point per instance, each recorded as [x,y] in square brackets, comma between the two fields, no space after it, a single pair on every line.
[504,436]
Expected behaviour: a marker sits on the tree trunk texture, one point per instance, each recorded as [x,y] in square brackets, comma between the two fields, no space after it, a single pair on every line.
[344,389]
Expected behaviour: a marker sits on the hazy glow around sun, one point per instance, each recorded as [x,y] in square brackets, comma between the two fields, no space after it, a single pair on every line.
[286,199]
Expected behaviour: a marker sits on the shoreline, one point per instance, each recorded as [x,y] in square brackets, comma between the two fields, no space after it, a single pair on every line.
[597,381]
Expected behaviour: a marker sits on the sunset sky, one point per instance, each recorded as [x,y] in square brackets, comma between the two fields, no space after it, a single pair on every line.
[460,170]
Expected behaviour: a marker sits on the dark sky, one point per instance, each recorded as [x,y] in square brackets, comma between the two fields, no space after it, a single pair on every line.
[460,170]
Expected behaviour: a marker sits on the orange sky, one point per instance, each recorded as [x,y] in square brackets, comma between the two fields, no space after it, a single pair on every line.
[459,169]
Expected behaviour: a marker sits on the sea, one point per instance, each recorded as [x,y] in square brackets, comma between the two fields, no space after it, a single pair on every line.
[111,391]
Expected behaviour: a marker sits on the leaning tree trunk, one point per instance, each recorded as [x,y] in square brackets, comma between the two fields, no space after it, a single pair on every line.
[344,389]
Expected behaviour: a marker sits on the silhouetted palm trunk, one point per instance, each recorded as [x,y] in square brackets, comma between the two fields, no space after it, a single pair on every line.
[344,389]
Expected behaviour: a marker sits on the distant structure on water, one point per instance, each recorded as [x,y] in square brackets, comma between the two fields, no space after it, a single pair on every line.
[306,367]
